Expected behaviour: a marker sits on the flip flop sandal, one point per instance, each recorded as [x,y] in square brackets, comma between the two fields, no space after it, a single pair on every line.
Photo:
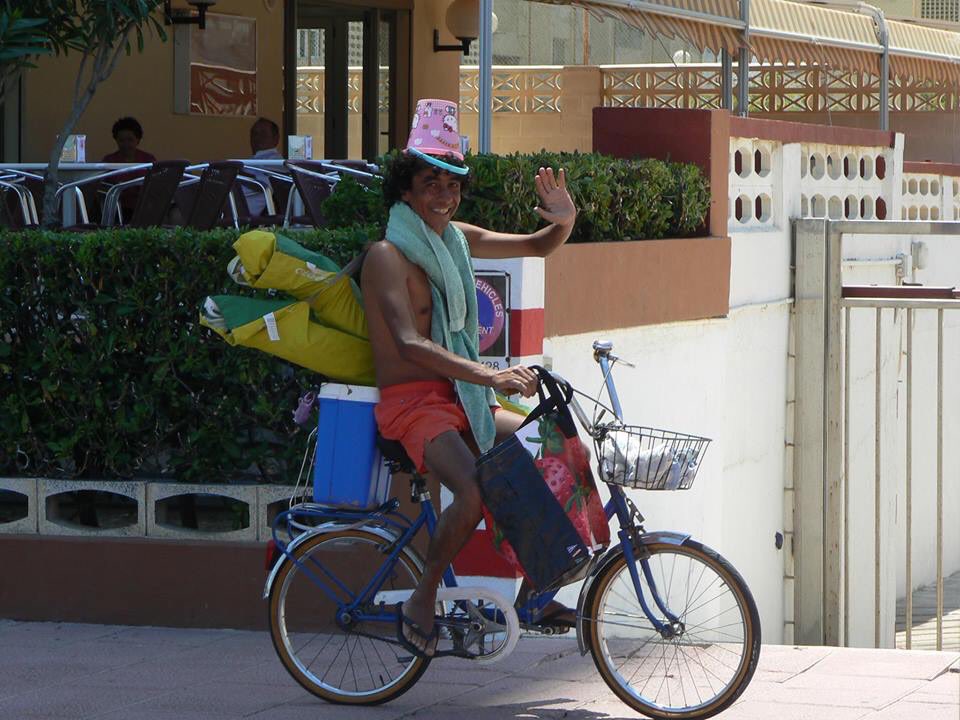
[430,639]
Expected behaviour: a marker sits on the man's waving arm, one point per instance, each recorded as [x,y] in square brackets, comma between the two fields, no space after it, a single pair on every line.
[556,207]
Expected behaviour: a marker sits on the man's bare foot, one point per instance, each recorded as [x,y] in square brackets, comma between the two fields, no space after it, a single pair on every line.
[417,627]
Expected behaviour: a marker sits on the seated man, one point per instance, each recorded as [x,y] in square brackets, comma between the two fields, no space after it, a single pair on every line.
[420,301]
[264,138]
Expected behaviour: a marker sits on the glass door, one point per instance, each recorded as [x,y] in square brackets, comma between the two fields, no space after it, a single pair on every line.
[349,68]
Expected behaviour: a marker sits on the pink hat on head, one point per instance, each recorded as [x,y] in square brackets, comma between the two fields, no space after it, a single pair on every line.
[435,131]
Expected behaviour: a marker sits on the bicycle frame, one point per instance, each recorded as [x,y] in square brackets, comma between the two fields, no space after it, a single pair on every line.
[617,505]
[402,531]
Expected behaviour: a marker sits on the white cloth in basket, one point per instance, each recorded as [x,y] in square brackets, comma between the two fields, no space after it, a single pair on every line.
[626,462]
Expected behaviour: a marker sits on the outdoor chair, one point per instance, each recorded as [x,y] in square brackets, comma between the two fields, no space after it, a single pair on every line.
[212,194]
[276,191]
[159,184]
[360,170]
[156,196]
[17,208]
[313,188]
[91,194]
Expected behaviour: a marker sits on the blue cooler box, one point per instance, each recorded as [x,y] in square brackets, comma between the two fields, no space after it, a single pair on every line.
[348,470]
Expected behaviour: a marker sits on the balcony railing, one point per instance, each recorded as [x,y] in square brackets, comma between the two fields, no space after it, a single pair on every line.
[773,88]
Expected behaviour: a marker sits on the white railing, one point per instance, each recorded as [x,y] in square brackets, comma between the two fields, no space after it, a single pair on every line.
[754,183]
[844,182]
[840,182]
[930,196]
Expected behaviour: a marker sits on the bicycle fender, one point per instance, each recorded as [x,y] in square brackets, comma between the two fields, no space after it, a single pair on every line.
[385,532]
[609,556]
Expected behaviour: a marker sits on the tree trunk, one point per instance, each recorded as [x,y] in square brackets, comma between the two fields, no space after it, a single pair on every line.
[52,176]
[105,59]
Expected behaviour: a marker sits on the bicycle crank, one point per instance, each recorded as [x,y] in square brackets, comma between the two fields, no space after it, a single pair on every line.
[482,624]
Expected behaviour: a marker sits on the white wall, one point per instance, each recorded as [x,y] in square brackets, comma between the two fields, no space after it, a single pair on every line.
[732,379]
[724,379]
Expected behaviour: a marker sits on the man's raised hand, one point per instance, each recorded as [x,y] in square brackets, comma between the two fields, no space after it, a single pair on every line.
[516,379]
[556,205]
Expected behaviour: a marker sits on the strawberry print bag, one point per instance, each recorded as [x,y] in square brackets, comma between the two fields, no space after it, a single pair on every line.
[540,498]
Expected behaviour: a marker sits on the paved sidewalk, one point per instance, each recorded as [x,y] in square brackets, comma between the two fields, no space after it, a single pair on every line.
[69,672]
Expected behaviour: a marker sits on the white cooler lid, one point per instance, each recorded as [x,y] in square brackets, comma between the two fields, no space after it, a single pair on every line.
[350,393]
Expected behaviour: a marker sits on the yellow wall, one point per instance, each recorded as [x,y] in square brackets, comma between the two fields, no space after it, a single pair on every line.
[565,131]
[435,75]
[142,86]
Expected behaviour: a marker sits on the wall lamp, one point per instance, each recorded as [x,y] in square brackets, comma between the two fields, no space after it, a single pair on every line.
[172,17]
[463,21]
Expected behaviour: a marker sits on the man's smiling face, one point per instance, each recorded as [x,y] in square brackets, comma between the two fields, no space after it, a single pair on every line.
[434,195]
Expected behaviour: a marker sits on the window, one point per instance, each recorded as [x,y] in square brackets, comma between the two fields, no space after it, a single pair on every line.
[940,10]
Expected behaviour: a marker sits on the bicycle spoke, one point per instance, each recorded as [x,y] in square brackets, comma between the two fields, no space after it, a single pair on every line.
[733,638]
[630,656]
[702,623]
[705,648]
[697,607]
[700,631]
[689,605]
[708,672]
[374,645]
[331,664]
[692,679]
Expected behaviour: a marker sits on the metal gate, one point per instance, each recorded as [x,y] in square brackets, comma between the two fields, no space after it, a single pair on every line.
[870,510]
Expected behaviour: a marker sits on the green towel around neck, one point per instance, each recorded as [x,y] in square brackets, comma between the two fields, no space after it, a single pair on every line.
[453,326]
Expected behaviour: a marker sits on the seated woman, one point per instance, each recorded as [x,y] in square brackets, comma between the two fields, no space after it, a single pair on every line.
[128,133]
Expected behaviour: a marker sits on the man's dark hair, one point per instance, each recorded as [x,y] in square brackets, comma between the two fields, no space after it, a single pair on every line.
[399,173]
[274,128]
[127,123]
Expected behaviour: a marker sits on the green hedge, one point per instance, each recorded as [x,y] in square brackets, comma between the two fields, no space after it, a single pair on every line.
[617,199]
[105,371]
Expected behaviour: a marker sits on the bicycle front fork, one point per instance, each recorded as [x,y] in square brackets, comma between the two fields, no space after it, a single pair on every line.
[635,553]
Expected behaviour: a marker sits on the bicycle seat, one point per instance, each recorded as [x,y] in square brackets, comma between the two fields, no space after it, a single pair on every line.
[394,454]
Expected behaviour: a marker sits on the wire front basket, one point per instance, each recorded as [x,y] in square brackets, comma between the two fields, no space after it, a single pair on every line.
[648,458]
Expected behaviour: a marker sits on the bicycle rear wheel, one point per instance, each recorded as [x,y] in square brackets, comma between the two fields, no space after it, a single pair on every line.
[703,661]
[340,659]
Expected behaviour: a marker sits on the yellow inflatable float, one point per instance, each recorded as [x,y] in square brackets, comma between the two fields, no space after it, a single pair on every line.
[323,329]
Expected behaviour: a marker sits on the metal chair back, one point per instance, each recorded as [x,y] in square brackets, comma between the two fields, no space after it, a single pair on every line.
[313,189]
[213,192]
[157,193]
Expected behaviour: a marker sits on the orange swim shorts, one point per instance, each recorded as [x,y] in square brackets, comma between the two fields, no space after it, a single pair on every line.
[417,412]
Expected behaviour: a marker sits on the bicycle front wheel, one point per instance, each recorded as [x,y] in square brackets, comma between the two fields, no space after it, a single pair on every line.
[342,659]
[704,655]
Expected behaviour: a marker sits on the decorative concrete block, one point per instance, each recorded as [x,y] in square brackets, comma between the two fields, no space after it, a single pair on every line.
[269,494]
[28,487]
[157,492]
[50,524]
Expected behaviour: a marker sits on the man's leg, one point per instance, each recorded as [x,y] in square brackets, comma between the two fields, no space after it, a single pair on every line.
[447,458]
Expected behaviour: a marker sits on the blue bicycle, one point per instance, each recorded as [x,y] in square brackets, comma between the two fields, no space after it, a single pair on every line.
[671,625]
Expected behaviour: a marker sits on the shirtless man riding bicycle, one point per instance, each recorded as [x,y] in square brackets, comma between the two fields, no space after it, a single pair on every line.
[421,404]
